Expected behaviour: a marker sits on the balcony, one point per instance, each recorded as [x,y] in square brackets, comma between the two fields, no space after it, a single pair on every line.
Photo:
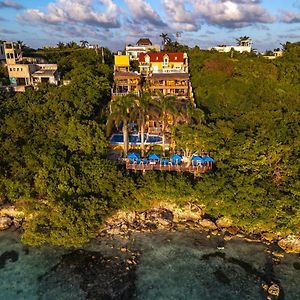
[125,93]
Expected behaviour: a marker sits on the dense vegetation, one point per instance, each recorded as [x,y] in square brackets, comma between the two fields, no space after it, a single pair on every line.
[53,147]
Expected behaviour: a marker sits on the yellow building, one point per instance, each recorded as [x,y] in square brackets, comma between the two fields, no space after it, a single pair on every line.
[122,63]
[125,81]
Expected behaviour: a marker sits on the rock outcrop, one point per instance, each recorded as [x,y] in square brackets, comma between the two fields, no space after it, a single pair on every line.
[10,215]
[290,244]
[208,224]
[5,223]
[224,222]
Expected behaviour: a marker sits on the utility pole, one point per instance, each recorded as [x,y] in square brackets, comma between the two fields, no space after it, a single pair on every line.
[102,53]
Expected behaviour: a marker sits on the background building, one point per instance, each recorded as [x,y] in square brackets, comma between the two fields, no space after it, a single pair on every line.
[142,46]
[244,45]
[26,72]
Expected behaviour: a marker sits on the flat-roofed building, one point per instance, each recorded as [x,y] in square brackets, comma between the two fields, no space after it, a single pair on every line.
[122,63]
[126,83]
[24,75]
[170,84]
[143,45]
[46,74]
[26,72]
[244,45]
[10,53]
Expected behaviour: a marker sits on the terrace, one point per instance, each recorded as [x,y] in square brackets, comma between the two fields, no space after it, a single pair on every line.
[197,166]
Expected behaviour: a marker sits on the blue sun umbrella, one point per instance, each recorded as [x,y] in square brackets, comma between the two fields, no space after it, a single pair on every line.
[153,156]
[208,159]
[133,156]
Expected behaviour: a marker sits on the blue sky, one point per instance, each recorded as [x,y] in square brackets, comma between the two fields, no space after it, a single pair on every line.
[113,23]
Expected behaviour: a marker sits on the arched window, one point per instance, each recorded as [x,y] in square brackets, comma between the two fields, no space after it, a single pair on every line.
[166,60]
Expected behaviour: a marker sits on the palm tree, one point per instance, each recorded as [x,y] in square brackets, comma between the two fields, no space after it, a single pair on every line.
[72,44]
[168,109]
[142,109]
[165,39]
[193,114]
[22,44]
[83,43]
[121,111]
[241,40]
[60,45]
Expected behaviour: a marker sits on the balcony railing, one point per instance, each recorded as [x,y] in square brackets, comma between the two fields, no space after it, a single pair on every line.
[124,93]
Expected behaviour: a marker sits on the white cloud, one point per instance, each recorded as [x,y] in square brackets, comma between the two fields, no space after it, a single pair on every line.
[142,12]
[179,17]
[75,11]
[290,17]
[11,4]
[223,13]
[233,14]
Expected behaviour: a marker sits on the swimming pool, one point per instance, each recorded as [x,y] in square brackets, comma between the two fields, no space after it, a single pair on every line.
[135,139]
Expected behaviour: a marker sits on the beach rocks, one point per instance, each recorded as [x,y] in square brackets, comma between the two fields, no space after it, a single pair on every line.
[205,223]
[224,222]
[5,223]
[170,217]
[163,216]
[9,215]
[272,290]
[291,244]
[269,237]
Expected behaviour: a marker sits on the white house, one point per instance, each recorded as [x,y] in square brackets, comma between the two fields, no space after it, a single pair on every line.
[244,45]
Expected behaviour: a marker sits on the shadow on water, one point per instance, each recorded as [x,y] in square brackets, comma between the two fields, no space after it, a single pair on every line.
[267,276]
[99,277]
[12,256]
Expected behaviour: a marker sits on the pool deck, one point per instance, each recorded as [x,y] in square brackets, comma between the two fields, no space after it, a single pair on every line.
[195,170]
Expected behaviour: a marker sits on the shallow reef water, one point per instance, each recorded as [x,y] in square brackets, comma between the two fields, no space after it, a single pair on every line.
[160,265]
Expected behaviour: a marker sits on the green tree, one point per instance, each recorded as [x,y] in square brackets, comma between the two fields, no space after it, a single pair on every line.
[141,110]
[167,107]
[121,110]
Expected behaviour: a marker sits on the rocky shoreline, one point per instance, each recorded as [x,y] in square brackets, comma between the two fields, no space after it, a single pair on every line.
[118,263]
[170,217]
[167,216]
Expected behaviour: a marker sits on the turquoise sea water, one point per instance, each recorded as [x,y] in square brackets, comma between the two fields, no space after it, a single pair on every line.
[180,265]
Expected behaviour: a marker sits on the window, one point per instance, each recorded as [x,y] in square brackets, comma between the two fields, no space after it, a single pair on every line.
[10,69]
[166,60]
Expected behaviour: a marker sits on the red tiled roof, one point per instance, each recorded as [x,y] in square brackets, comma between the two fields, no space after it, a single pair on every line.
[159,57]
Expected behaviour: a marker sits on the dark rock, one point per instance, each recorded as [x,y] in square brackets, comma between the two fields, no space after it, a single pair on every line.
[12,256]
[296,266]
[97,276]
[221,276]
[151,225]
[167,215]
